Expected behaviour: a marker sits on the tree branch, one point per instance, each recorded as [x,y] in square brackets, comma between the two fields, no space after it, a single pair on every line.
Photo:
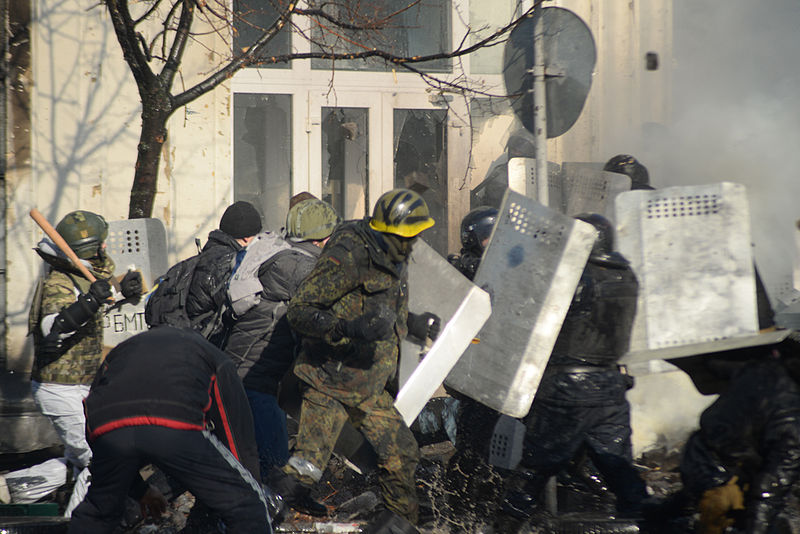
[129,42]
[178,44]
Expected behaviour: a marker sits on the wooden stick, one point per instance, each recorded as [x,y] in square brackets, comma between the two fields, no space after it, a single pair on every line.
[61,243]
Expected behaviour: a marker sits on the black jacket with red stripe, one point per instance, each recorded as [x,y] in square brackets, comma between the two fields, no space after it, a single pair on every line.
[176,379]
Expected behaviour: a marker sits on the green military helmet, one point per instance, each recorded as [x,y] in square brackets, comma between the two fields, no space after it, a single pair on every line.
[311,220]
[401,212]
[84,232]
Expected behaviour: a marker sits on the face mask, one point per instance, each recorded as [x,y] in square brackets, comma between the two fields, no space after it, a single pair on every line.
[398,248]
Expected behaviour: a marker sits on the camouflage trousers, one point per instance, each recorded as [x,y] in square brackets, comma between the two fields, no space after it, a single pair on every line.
[321,420]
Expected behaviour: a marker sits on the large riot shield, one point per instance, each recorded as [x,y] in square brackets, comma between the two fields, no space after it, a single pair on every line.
[522,179]
[133,244]
[587,188]
[690,249]
[531,268]
[436,286]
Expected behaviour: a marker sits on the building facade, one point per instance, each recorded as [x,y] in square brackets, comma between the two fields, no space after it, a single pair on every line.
[346,132]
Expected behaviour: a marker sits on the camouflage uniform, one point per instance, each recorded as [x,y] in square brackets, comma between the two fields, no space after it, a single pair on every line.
[347,378]
[83,350]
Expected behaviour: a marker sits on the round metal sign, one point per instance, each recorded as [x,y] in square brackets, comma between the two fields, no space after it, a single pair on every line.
[569,59]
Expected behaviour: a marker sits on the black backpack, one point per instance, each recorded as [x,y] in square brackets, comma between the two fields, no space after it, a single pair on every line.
[166,304]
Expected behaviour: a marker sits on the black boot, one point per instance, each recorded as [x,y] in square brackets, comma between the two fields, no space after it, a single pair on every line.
[295,494]
[389,522]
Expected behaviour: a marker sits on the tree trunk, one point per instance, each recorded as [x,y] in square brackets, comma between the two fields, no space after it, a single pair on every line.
[156,110]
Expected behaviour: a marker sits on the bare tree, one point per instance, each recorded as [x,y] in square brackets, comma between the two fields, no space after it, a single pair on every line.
[155,34]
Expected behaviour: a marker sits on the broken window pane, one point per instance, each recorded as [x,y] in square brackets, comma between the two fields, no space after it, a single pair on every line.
[253,18]
[401,27]
[420,164]
[262,154]
[345,160]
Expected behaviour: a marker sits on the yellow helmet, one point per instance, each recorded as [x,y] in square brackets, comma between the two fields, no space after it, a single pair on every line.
[401,212]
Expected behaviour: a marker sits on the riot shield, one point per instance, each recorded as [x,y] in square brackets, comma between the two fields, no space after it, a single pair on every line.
[531,268]
[436,286]
[589,189]
[135,244]
[690,249]
[522,179]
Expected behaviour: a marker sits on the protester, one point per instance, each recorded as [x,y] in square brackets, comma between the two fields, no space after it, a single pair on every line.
[207,292]
[66,321]
[261,342]
[168,397]
[352,312]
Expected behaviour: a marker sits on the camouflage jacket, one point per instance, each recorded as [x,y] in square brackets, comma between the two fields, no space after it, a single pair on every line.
[352,275]
[83,351]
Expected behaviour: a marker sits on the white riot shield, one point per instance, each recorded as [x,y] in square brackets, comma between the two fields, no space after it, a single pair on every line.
[531,268]
[589,189]
[133,244]
[690,249]
[522,179]
[436,286]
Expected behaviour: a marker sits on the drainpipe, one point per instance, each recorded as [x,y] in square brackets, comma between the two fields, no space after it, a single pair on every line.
[4,23]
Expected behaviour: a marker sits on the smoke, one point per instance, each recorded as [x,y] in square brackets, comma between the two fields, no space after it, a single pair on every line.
[736,116]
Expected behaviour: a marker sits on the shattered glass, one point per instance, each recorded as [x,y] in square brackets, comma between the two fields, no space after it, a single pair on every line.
[420,164]
[345,160]
[262,154]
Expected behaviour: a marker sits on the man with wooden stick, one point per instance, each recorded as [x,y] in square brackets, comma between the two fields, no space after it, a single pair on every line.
[66,322]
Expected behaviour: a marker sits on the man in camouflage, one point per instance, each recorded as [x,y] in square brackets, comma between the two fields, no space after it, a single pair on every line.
[352,311]
[66,322]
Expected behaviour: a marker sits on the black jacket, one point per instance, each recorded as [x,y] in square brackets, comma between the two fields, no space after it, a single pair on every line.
[261,342]
[752,431]
[207,289]
[173,378]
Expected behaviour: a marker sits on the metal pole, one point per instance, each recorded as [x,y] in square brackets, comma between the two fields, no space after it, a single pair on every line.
[539,105]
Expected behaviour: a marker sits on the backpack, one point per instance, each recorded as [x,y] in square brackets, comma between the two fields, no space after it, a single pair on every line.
[166,303]
[244,286]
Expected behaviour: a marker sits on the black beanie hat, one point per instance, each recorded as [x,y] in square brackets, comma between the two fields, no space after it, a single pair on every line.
[241,219]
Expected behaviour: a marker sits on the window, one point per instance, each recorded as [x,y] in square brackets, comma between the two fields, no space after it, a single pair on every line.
[262,154]
[485,18]
[252,18]
[420,164]
[345,160]
[421,29]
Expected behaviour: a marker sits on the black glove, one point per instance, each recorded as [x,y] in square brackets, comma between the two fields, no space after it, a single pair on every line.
[373,325]
[131,284]
[100,290]
[424,325]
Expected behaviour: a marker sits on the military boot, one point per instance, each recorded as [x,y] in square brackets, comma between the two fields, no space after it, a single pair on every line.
[296,494]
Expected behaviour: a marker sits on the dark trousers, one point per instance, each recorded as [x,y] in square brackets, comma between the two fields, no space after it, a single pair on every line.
[197,460]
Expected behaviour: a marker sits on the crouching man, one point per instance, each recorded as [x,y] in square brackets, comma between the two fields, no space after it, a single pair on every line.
[168,397]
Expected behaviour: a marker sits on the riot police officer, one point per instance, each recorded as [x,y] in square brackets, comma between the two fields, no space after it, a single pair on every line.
[476,227]
[580,404]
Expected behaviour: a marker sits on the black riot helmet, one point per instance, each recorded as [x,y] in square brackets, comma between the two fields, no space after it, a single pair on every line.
[476,226]
[629,166]
[604,245]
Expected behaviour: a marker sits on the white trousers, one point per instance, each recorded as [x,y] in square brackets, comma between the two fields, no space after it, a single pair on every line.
[63,405]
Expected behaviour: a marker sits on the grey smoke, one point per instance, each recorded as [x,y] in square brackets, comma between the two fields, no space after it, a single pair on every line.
[736,116]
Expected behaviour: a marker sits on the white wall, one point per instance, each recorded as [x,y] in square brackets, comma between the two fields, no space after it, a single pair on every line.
[85,122]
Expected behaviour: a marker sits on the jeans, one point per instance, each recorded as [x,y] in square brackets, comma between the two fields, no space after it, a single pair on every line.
[270,426]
